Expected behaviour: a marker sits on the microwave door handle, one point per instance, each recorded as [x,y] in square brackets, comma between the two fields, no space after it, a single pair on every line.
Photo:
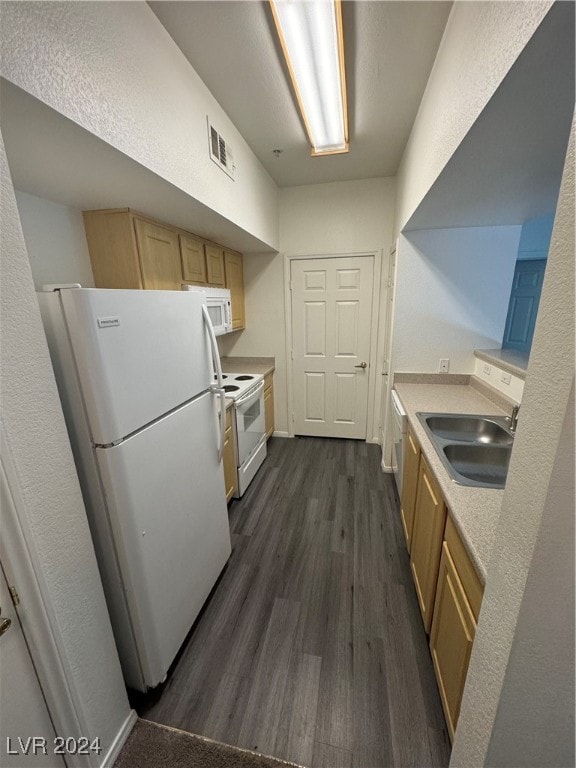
[251,396]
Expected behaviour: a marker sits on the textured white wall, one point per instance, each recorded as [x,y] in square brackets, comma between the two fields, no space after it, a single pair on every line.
[55,240]
[515,387]
[518,706]
[481,42]
[342,217]
[452,291]
[40,451]
[112,68]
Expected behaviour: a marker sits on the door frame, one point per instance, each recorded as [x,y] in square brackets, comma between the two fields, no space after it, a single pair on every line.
[41,632]
[377,335]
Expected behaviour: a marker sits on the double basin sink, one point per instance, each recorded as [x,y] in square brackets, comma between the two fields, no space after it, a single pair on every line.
[474,449]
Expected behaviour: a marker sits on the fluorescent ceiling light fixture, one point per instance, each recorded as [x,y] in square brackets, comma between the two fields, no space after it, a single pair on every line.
[310,33]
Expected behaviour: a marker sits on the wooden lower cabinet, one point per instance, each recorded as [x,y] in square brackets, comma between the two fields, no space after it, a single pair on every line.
[269,404]
[229,459]
[456,609]
[447,585]
[427,535]
[409,485]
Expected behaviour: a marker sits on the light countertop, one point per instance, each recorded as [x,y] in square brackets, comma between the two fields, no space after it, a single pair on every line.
[263,365]
[475,511]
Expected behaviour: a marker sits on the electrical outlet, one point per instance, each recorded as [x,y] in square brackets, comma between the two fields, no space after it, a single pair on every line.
[506,378]
[487,369]
[443,365]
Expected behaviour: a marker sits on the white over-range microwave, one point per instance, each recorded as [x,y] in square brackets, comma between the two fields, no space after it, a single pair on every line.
[219,307]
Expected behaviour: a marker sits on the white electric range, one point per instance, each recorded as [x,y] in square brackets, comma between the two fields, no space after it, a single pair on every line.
[247,391]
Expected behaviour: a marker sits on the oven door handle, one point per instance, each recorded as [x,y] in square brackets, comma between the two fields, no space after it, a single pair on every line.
[250,396]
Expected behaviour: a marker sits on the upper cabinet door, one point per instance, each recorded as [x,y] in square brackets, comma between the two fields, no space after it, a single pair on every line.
[159,256]
[215,266]
[235,282]
[193,260]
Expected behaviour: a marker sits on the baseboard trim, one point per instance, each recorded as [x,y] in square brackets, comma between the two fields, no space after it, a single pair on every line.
[280,433]
[385,467]
[119,741]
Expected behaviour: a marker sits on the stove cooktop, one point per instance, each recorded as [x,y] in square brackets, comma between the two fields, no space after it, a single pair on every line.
[237,384]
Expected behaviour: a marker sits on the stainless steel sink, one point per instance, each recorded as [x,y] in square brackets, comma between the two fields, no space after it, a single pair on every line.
[483,465]
[470,429]
[475,449]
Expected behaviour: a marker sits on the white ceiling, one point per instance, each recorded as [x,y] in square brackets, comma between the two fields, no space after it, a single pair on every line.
[390,48]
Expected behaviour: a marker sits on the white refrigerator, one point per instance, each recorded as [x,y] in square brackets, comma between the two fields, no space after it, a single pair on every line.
[135,375]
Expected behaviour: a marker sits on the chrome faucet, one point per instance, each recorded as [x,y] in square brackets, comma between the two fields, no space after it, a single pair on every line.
[514,418]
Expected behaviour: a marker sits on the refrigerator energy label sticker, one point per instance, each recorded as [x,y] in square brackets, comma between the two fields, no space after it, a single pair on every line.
[108,322]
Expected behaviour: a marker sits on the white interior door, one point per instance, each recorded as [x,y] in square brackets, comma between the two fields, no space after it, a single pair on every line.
[331,326]
[23,712]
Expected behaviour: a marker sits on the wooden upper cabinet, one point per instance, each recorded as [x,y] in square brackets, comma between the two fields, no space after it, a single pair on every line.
[409,485]
[193,260]
[159,253]
[113,250]
[128,251]
[427,534]
[215,266]
[235,282]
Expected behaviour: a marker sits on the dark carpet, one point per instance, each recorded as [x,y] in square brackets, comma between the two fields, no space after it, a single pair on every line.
[158,746]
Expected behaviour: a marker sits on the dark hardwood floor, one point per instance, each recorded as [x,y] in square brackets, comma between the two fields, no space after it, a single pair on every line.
[311,647]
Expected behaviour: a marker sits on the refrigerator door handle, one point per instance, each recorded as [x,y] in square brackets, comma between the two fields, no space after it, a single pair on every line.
[222,395]
[218,387]
[213,346]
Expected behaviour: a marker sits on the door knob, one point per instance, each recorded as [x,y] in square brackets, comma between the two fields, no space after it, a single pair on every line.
[362,365]
[4,624]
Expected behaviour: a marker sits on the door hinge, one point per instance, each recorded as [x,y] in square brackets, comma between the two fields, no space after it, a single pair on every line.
[293,419]
[15,596]
[290,285]
[292,354]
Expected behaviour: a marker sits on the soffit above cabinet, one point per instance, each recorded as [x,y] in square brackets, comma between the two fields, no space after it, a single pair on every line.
[52,157]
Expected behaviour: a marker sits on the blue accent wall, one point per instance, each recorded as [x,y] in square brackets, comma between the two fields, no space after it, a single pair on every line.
[535,238]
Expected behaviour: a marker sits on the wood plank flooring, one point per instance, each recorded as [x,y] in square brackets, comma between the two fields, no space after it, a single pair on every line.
[311,647]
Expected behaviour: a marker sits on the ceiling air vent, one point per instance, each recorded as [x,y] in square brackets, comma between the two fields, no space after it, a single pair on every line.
[220,151]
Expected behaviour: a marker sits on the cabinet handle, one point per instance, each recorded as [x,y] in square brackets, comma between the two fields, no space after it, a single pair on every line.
[5,624]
